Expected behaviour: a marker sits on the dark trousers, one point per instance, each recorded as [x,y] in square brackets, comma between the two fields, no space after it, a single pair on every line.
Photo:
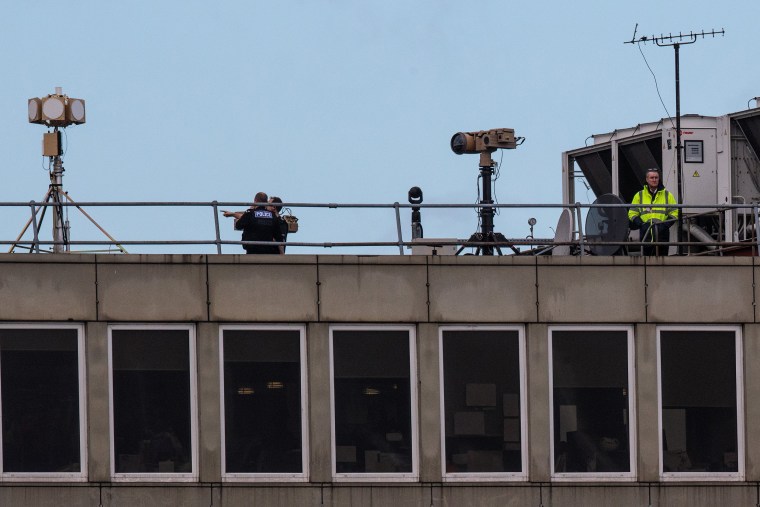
[651,234]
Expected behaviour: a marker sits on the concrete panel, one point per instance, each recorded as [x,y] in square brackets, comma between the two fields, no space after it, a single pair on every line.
[483,293]
[539,423]
[247,292]
[714,291]
[209,421]
[320,439]
[98,403]
[578,289]
[704,496]
[47,291]
[494,496]
[395,496]
[429,403]
[249,495]
[129,495]
[647,407]
[582,496]
[73,495]
[363,292]
[752,401]
[172,290]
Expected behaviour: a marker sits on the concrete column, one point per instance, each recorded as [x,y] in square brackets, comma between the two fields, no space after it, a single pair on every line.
[429,390]
[318,368]
[752,401]
[98,396]
[539,424]
[209,420]
[647,405]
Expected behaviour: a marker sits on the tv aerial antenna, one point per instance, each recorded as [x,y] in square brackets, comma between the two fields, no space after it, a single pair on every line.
[58,111]
[676,41]
[485,142]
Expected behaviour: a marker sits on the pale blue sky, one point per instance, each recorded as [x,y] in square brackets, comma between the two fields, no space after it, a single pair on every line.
[342,101]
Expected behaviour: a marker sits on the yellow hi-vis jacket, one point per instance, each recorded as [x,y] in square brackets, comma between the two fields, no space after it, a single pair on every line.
[647,212]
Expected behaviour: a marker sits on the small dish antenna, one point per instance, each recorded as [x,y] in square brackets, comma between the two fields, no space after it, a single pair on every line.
[563,233]
[606,226]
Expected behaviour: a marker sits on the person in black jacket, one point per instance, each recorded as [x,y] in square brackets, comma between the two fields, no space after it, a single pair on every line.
[277,211]
[258,224]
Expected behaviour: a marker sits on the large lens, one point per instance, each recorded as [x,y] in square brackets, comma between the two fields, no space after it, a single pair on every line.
[459,143]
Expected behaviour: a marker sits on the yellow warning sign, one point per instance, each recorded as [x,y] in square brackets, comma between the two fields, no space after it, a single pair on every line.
[695,175]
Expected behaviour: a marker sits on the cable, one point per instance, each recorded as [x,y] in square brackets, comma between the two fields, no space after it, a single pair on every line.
[477,186]
[66,142]
[496,175]
[656,86]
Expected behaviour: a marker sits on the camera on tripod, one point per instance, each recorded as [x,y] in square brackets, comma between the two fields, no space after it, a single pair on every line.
[484,141]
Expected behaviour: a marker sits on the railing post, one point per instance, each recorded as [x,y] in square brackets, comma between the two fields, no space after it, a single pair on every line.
[214,205]
[398,229]
[580,226]
[757,221]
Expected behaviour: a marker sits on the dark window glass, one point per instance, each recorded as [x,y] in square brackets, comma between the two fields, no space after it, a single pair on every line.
[698,382]
[262,401]
[481,383]
[151,401]
[373,418]
[590,396]
[40,400]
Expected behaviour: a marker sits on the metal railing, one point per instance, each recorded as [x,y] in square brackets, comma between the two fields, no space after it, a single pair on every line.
[579,242]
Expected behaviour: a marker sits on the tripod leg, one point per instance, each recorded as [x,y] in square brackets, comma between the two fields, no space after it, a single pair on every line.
[45,199]
[66,195]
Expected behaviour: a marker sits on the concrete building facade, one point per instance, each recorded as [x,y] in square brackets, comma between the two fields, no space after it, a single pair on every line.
[573,428]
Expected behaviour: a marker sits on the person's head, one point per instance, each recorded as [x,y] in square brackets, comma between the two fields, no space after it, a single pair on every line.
[260,197]
[653,178]
[276,200]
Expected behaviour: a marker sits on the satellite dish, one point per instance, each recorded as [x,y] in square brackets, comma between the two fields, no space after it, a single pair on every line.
[563,233]
[606,225]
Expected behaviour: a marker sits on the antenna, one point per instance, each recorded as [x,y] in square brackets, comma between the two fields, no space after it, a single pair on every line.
[606,226]
[56,110]
[676,41]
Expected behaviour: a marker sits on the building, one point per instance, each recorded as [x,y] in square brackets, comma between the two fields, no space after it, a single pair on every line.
[390,380]
[436,380]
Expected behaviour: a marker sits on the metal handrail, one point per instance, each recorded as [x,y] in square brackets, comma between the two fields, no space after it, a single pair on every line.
[215,206]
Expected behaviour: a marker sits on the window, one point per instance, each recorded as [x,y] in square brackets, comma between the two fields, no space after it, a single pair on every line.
[264,402]
[483,403]
[374,402]
[700,399]
[42,403]
[153,402]
[592,403]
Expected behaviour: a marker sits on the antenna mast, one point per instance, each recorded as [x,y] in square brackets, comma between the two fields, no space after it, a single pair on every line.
[676,41]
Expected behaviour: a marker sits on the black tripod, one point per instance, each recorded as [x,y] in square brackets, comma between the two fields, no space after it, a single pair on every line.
[486,234]
[55,195]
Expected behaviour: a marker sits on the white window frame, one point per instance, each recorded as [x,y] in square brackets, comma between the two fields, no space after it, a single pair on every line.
[157,477]
[80,476]
[268,477]
[413,399]
[740,437]
[631,475]
[487,476]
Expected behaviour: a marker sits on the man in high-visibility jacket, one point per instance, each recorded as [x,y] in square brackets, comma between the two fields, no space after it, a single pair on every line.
[653,221]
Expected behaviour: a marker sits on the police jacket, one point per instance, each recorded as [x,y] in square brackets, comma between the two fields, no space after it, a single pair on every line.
[647,212]
[260,224]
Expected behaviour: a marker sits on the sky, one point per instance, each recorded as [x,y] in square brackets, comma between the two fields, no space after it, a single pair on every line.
[337,101]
